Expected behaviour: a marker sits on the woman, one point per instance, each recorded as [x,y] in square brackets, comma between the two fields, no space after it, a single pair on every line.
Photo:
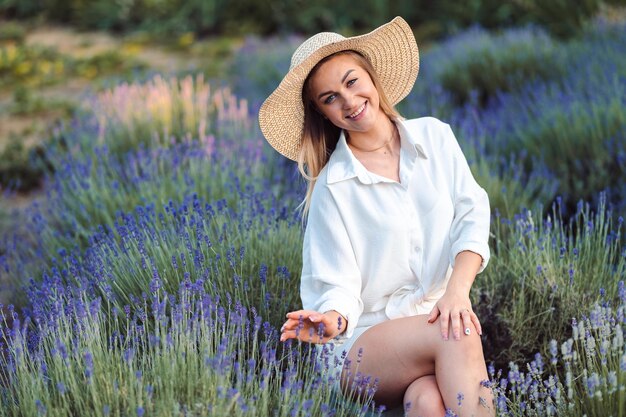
[397,227]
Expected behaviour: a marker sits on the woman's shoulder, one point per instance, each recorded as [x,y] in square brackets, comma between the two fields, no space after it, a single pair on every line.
[427,124]
[429,132]
[321,191]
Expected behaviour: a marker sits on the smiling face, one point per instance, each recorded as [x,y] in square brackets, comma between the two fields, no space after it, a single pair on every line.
[343,91]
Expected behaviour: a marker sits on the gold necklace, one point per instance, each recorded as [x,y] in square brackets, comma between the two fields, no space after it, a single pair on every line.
[393,135]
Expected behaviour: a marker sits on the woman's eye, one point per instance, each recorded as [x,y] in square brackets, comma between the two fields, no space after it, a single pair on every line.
[329,99]
[352,81]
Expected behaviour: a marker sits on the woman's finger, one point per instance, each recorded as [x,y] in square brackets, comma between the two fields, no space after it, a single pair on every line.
[287,334]
[476,322]
[291,324]
[434,313]
[456,324]
[307,334]
[466,316]
[304,314]
[444,320]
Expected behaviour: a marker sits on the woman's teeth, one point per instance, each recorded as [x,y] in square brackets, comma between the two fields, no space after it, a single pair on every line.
[357,112]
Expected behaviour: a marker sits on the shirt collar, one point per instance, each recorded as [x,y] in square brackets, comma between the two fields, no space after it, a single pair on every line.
[343,164]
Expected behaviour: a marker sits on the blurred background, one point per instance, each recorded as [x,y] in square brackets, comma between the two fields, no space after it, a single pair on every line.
[53,52]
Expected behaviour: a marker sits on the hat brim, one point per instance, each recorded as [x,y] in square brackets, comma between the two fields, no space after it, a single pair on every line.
[390,48]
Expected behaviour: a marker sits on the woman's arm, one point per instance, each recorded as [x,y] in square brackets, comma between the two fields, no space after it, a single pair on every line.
[469,235]
[455,305]
[331,280]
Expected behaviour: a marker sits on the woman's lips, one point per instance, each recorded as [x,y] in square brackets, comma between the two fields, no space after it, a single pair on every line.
[358,113]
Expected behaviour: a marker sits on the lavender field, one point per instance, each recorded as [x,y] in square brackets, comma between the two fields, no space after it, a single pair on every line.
[153,277]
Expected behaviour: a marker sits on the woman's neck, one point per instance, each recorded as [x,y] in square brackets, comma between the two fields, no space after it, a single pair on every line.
[375,139]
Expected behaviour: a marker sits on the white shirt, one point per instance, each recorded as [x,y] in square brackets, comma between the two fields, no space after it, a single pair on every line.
[376,249]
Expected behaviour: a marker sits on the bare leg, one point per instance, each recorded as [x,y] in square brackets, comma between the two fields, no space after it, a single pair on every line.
[399,352]
[423,399]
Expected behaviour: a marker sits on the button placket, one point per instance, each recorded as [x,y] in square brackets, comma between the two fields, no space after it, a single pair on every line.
[415,231]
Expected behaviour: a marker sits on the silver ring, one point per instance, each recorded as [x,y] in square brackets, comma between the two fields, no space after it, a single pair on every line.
[467,331]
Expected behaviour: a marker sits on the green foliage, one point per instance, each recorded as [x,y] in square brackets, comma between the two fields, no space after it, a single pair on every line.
[582,376]
[107,62]
[35,66]
[96,192]
[142,151]
[21,169]
[562,18]
[508,187]
[579,130]
[11,31]
[454,15]
[259,66]
[167,17]
[198,16]
[541,273]
[25,102]
[205,359]
[485,64]
[30,65]
[214,54]
[225,249]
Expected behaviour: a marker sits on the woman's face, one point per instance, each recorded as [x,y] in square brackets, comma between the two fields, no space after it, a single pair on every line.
[344,92]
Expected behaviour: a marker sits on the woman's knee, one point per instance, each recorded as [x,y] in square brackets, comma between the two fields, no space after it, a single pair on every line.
[422,398]
[469,345]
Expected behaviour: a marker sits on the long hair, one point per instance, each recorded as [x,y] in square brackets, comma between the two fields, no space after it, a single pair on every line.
[319,135]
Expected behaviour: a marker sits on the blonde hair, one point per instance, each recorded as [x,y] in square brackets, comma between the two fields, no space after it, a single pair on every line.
[319,135]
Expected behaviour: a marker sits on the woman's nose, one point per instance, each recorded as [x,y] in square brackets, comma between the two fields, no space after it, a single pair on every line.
[348,101]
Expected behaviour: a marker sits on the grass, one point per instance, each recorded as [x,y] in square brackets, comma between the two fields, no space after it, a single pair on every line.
[583,375]
[543,270]
[203,358]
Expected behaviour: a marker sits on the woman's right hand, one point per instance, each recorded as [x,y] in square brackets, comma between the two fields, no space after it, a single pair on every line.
[312,326]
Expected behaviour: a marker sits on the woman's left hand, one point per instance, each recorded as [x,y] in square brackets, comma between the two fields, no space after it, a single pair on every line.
[455,308]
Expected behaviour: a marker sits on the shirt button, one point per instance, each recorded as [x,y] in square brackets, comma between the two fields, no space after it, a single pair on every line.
[417,248]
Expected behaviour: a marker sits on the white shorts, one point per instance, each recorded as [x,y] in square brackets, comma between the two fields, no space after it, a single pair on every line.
[341,347]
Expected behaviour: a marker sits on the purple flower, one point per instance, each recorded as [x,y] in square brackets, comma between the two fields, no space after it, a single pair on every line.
[61,349]
[307,405]
[41,409]
[88,365]
[553,351]
[129,354]
[263,273]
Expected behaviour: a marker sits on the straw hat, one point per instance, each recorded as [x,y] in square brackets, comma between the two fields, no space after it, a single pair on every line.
[392,51]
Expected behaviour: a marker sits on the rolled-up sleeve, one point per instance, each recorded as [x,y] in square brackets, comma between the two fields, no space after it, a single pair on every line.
[330,279]
[470,226]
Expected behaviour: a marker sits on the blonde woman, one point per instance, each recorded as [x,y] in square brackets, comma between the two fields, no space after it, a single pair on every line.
[397,227]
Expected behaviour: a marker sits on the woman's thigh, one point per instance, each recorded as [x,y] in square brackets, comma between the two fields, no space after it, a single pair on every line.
[397,352]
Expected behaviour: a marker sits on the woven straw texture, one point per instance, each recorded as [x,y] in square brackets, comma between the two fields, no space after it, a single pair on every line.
[391,49]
